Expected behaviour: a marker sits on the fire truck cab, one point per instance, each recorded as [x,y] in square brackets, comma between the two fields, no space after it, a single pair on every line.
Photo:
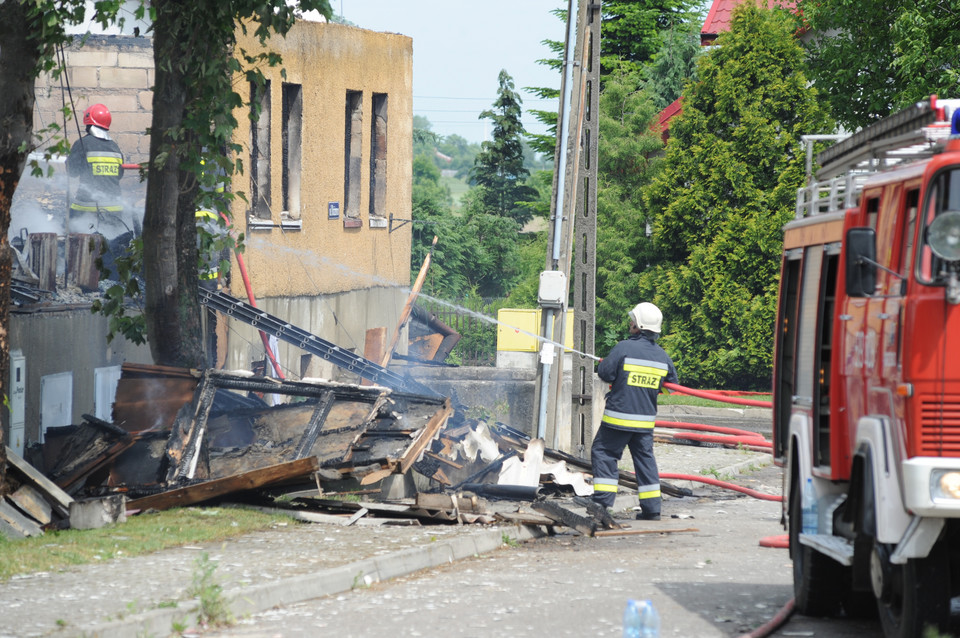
[867,375]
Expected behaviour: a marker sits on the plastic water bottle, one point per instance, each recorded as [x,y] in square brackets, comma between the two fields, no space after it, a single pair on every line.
[808,504]
[641,620]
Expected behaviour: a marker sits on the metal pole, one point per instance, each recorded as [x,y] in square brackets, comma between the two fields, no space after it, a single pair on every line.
[562,132]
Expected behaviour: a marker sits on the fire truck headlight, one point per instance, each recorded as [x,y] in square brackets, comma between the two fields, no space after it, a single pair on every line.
[945,484]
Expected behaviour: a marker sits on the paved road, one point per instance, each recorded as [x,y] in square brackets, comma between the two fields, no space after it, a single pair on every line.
[713,582]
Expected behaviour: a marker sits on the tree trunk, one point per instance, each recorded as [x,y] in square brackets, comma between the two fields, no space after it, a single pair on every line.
[18,58]
[169,229]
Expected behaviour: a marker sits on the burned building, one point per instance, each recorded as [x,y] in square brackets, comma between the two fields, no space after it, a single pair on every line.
[328,166]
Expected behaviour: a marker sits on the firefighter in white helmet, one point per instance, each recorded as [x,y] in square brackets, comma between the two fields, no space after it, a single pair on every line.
[96,161]
[636,369]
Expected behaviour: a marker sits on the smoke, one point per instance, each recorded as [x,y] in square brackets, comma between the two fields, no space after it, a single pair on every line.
[40,206]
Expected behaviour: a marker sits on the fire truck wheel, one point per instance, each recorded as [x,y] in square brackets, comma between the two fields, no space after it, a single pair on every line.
[818,580]
[912,596]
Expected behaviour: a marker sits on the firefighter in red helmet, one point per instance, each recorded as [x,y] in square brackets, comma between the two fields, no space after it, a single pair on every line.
[96,161]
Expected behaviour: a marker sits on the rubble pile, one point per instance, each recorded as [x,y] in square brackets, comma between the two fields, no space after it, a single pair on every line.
[332,452]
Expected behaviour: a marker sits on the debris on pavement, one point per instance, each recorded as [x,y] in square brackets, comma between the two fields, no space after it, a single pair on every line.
[333,452]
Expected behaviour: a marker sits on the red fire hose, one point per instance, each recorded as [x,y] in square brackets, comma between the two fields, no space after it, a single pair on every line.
[773,624]
[715,396]
[253,302]
[723,484]
[752,440]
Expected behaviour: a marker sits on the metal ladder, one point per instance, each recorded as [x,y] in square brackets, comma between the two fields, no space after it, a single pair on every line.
[233,307]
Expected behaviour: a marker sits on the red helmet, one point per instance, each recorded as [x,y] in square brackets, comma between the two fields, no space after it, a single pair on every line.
[97,115]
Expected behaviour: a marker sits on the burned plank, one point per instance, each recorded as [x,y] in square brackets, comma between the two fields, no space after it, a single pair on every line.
[446,502]
[563,516]
[526,518]
[427,434]
[597,511]
[312,430]
[634,532]
[74,481]
[59,499]
[219,487]
[22,523]
[184,446]
[31,502]
[149,396]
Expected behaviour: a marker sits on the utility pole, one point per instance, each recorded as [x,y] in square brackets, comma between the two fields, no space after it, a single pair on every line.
[573,220]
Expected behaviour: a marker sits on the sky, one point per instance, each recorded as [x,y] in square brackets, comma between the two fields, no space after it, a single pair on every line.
[459,48]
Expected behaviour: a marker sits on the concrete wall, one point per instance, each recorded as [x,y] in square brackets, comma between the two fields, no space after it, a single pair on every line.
[341,318]
[304,252]
[64,339]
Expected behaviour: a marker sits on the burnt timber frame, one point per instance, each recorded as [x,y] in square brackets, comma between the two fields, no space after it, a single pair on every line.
[186,440]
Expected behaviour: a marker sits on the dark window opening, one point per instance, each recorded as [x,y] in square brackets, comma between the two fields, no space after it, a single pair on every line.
[378,157]
[260,150]
[353,138]
[292,136]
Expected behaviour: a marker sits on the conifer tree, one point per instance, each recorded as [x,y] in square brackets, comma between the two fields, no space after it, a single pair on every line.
[728,185]
[498,169]
[628,155]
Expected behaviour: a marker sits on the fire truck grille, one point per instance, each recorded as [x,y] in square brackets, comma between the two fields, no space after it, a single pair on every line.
[940,425]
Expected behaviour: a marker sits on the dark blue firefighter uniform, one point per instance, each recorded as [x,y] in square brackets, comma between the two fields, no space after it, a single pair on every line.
[636,369]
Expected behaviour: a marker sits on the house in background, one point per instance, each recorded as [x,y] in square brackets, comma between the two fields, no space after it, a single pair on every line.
[717,21]
[327,165]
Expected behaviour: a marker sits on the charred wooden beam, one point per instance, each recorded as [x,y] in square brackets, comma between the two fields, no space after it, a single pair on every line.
[183,448]
[427,434]
[220,487]
[563,516]
[312,431]
[54,495]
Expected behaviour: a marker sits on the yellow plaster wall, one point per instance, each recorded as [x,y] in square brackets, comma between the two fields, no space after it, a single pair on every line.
[324,257]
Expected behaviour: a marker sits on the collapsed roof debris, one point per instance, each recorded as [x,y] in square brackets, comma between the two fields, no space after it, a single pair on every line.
[182,437]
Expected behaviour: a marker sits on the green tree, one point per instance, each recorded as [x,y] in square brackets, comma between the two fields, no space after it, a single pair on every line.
[673,65]
[628,156]
[633,30]
[498,169]
[727,186]
[30,35]
[196,62]
[875,57]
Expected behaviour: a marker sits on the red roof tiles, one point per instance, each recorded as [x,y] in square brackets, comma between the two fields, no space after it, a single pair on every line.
[721,13]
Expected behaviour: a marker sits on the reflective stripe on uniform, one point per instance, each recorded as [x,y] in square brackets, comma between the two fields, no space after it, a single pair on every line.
[644,373]
[93,208]
[648,491]
[104,163]
[631,421]
[605,485]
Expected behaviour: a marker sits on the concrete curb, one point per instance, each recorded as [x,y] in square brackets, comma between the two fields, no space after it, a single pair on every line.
[288,591]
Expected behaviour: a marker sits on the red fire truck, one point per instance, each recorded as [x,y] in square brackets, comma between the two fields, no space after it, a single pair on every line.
[867,375]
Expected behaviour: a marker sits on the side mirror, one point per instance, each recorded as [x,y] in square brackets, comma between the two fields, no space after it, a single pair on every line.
[861,256]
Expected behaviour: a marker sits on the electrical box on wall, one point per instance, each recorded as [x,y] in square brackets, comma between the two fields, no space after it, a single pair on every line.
[18,398]
[553,289]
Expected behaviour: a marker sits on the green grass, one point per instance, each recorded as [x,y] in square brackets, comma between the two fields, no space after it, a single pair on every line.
[683,399]
[142,534]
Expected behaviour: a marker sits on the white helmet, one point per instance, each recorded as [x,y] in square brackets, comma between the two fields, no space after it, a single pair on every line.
[647,317]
